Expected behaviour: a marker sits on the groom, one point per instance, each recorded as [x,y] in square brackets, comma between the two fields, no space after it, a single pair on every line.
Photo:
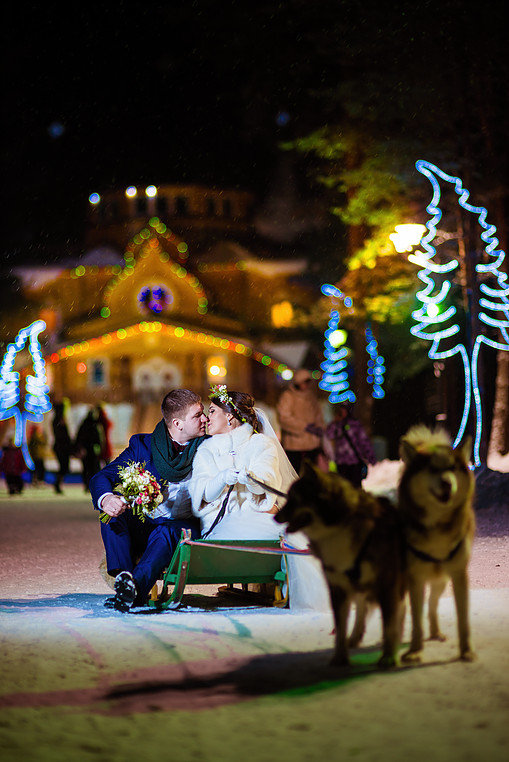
[168,454]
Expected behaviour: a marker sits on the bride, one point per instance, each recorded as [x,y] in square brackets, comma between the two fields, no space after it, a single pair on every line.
[231,506]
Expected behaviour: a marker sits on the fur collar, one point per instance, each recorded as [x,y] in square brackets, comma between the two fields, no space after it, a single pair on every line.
[231,441]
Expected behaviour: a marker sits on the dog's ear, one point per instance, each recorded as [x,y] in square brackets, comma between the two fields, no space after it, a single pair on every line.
[466,449]
[407,452]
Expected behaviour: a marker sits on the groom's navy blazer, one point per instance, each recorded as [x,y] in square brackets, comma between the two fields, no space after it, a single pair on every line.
[125,536]
[137,451]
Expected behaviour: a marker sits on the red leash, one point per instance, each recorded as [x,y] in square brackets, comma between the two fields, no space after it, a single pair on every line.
[283,550]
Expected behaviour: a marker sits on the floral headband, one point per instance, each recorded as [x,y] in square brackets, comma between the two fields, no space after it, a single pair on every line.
[220,392]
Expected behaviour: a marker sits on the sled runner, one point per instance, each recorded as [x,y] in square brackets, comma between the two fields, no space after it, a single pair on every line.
[202,562]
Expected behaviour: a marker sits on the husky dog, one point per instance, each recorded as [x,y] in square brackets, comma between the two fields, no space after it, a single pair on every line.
[435,497]
[358,539]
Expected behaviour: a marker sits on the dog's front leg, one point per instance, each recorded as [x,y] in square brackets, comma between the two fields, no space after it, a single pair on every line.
[361,615]
[390,605]
[460,588]
[341,607]
[416,590]
[437,587]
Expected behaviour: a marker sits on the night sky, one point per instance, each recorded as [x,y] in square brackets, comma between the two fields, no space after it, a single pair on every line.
[108,95]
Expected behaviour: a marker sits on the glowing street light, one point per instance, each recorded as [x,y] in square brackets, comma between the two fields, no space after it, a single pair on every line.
[407,236]
[131,191]
[151,191]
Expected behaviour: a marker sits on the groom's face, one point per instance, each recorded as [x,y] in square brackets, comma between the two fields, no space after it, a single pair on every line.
[193,422]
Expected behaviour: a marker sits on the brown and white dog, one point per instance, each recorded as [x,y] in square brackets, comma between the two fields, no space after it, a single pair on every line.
[435,498]
[358,539]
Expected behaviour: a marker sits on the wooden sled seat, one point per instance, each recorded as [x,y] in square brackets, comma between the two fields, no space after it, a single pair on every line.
[203,562]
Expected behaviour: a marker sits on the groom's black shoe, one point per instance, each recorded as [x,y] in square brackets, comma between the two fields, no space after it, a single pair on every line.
[125,593]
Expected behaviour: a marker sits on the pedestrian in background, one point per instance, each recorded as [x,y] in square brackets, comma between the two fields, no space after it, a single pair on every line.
[62,444]
[105,425]
[88,446]
[297,408]
[347,444]
[37,449]
[12,465]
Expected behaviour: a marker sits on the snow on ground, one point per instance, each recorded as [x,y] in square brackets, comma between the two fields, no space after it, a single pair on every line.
[216,682]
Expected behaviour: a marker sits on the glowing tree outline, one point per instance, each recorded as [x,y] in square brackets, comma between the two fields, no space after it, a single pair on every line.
[376,367]
[486,302]
[335,377]
[36,389]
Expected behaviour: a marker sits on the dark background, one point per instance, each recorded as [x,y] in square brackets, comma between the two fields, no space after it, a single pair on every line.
[105,95]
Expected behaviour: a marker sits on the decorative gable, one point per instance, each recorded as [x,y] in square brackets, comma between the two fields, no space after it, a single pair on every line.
[154,281]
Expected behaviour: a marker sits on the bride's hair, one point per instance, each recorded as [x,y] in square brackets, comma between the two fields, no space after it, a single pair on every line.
[241,406]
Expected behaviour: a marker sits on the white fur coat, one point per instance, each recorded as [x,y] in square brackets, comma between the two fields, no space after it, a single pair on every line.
[247,515]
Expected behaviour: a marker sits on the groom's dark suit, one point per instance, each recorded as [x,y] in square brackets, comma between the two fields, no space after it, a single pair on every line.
[125,537]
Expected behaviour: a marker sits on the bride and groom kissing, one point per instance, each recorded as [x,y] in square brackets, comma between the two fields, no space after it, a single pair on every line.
[207,490]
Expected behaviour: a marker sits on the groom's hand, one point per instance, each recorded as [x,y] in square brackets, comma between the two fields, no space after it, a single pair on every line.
[113,505]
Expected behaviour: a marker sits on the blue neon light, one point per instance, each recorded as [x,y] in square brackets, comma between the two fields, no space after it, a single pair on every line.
[36,401]
[498,291]
[335,376]
[376,367]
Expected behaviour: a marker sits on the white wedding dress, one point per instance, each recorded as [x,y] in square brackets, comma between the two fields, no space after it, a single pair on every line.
[247,514]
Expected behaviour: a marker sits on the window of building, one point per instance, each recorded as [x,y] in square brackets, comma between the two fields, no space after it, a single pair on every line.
[227,207]
[211,207]
[161,205]
[141,205]
[281,314]
[98,373]
[181,206]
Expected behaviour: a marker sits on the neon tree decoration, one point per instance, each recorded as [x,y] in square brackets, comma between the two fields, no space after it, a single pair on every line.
[376,367]
[155,299]
[36,401]
[437,321]
[335,377]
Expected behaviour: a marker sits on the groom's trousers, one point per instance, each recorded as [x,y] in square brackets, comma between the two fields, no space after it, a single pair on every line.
[143,548]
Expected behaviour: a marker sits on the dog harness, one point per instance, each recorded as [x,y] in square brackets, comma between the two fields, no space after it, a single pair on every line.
[426,557]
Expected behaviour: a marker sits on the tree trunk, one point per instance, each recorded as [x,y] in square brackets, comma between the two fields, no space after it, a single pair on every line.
[364,406]
[499,439]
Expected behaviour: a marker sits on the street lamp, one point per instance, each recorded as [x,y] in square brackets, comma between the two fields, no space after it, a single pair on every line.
[406,236]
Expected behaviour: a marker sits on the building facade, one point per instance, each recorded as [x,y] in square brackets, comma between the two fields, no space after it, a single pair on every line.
[173,289]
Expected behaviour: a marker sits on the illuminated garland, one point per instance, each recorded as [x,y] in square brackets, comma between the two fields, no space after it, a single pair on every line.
[335,376]
[438,326]
[178,332]
[376,367]
[36,389]
[147,242]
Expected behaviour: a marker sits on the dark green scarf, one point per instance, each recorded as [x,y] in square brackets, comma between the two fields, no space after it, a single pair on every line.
[172,467]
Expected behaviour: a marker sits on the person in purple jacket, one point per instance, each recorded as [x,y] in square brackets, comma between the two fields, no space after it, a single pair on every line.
[136,551]
[347,444]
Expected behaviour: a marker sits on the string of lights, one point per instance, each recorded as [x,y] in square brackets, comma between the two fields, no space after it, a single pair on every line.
[335,374]
[376,367]
[179,332]
[36,401]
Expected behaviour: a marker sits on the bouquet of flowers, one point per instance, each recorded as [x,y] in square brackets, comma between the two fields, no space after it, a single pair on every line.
[139,488]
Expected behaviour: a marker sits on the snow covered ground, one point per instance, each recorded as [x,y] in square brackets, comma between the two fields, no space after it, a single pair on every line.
[210,682]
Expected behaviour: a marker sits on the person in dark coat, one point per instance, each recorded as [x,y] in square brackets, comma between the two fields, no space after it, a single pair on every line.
[105,426]
[88,446]
[37,450]
[62,444]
